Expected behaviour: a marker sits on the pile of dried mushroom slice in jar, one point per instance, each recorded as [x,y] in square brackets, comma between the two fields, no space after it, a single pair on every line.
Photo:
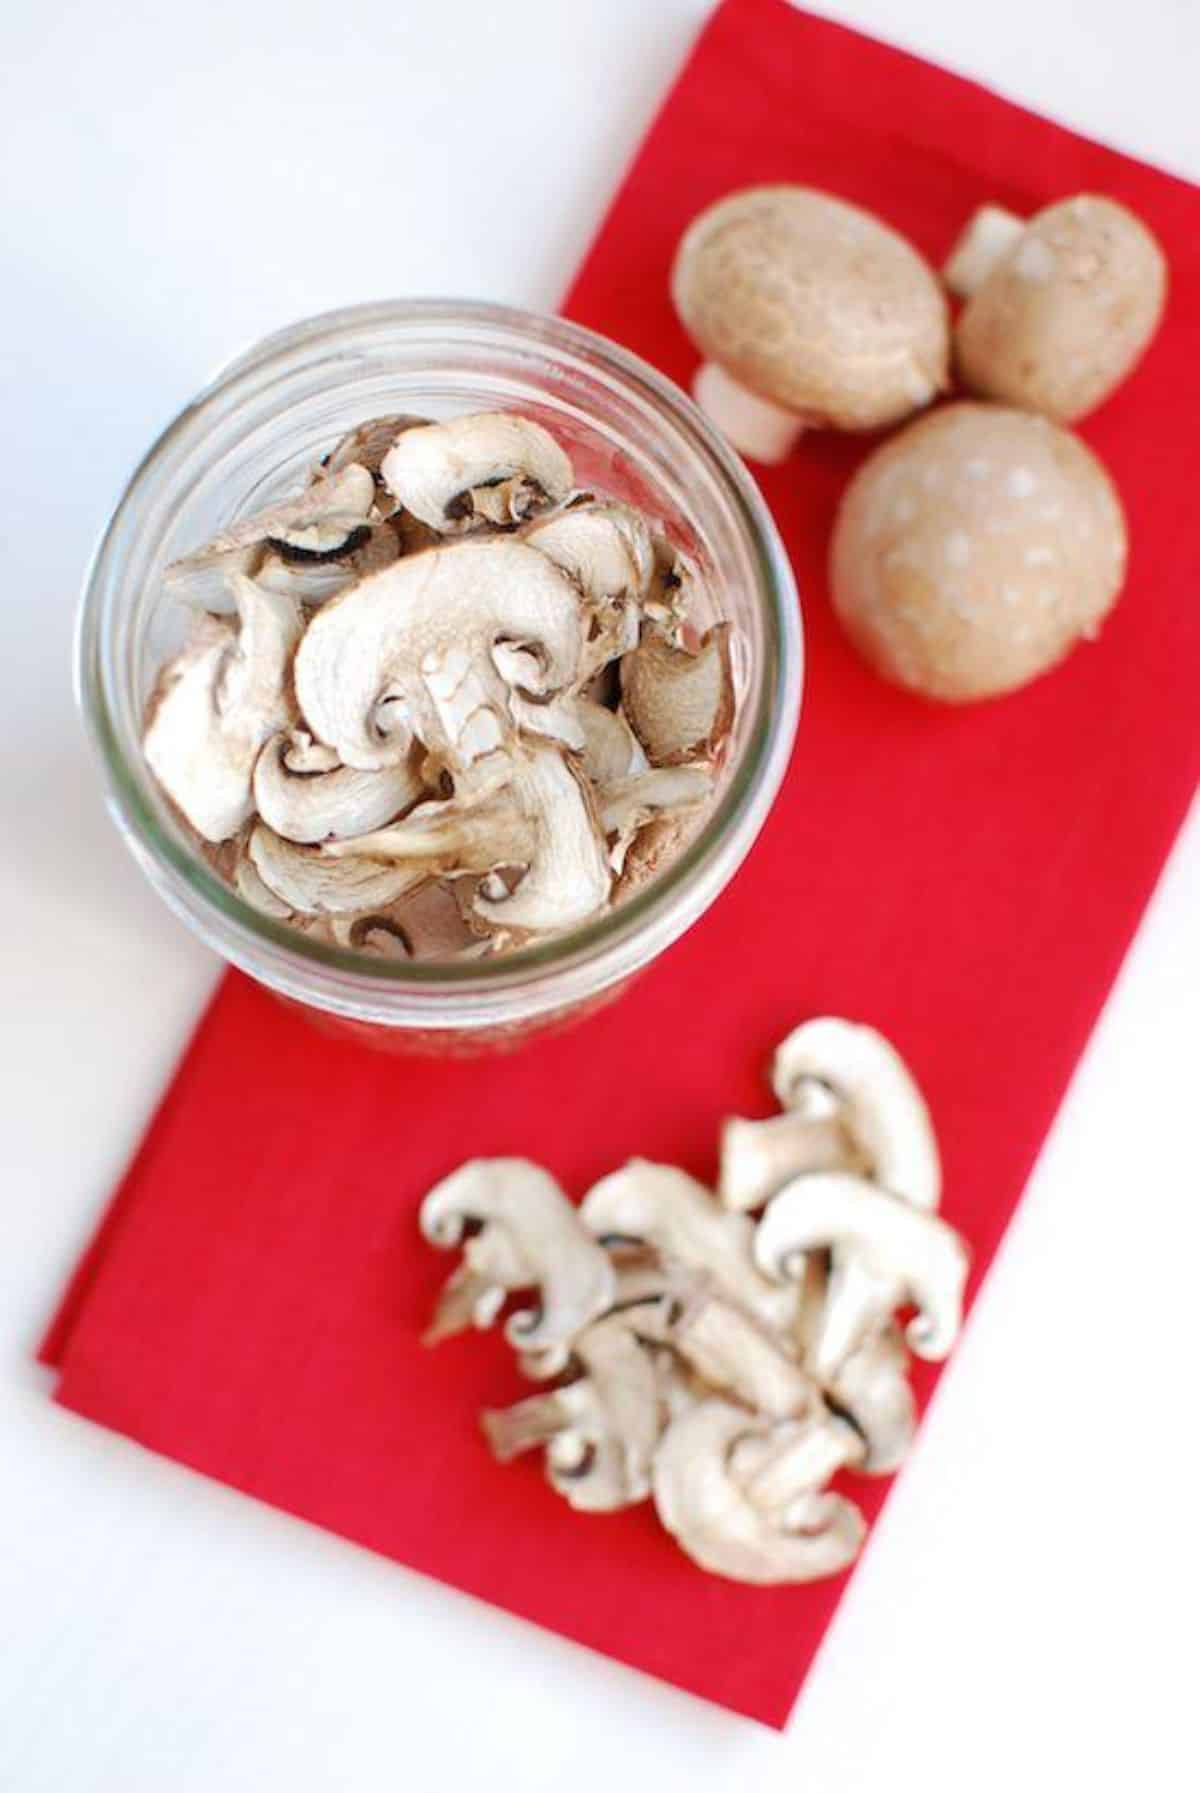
[726,1355]
[442,702]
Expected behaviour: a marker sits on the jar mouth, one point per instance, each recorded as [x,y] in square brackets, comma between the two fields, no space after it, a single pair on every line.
[630,933]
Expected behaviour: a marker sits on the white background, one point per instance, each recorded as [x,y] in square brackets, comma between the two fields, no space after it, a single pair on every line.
[182,180]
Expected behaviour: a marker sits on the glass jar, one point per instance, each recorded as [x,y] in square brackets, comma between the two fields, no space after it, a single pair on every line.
[251,438]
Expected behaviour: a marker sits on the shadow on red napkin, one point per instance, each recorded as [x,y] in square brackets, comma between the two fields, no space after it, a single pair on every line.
[968,881]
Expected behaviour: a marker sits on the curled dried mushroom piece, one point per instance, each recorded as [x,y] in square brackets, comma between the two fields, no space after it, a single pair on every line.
[725,1368]
[410,674]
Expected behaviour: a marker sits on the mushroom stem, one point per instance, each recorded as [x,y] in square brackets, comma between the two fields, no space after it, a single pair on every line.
[534,1421]
[758,429]
[469,1298]
[731,1351]
[988,236]
[759,1157]
[794,1459]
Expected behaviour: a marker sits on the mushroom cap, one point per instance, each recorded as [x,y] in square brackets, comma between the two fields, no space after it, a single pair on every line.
[974,549]
[1061,319]
[718,1525]
[814,304]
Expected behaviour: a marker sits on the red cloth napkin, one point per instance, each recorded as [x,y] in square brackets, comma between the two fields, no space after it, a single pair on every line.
[966,880]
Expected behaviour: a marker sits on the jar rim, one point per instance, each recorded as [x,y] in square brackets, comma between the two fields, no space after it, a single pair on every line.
[625,934]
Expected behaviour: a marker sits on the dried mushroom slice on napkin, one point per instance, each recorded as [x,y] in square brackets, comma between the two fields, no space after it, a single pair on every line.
[726,1367]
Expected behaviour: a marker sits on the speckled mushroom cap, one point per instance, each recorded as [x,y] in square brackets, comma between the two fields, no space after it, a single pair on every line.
[1066,311]
[972,550]
[814,304]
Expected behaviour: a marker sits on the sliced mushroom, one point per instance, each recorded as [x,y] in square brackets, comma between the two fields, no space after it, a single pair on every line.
[611,751]
[491,467]
[368,443]
[260,896]
[884,1256]
[679,705]
[607,549]
[217,702]
[410,651]
[533,812]
[736,1354]
[321,520]
[659,1206]
[567,877]
[627,804]
[311,884]
[518,1231]
[811,313]
[652,849]
[1059,308]
[314,578]
[704,1506]
[313,805]
[828,1070]
[759,1157]
[972,551]
[423,924]
[669,601]
[599,1430]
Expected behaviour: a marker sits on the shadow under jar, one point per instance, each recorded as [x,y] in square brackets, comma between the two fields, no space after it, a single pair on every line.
[252,438]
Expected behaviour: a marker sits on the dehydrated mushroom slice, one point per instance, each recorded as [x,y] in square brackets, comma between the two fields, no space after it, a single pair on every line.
[309,805]
[367,444]
[611,751]
[314,578]
[311,884]
[217,702]
[518,1231]
[679,705]
[884,1255]
[410,651]
[608,551]
[319,520]
[528,809]
[425,923]
[491,467]
[483,825]
[627,804]
[703,1505]
[567,877]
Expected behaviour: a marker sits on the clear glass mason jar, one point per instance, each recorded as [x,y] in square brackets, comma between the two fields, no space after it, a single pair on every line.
[253,436]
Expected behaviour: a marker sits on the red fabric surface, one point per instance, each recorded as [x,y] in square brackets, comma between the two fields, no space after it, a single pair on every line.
[968,881]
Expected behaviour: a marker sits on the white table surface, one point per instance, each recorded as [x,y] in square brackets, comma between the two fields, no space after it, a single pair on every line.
[182,180]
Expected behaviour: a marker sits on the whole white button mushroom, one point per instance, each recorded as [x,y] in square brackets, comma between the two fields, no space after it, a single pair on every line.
[1059,308]
[811,314]
[974,549]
